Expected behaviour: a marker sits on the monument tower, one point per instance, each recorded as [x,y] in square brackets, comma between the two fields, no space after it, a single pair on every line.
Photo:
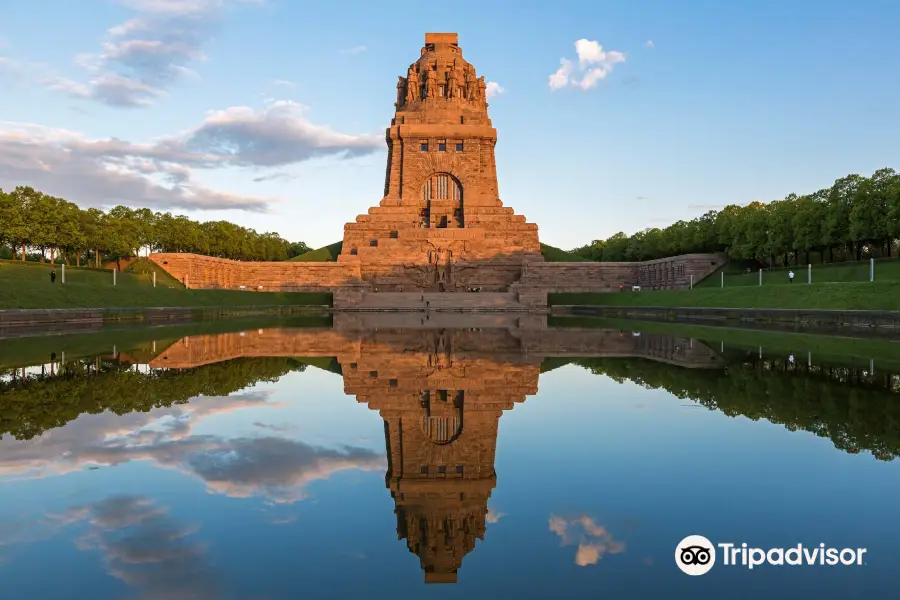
[441,226]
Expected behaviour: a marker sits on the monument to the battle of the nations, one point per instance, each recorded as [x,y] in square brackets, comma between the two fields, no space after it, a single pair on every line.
[440,229]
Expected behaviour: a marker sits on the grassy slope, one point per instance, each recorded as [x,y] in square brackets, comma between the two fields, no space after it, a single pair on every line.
[879,295]
[888,270]
[327,253]
[27,285]
[552,254]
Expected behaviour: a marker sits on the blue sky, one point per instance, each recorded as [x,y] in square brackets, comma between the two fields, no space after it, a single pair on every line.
[271,113]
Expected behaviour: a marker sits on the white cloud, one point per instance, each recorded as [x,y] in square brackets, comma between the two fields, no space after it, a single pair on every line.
[145,55]
[493,515]
[354,50]
[593,540]
[594,64]
[649,44]
[284,83]
[160,174]
[493,89]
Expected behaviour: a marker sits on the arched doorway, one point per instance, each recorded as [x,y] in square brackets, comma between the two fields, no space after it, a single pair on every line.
[446,190]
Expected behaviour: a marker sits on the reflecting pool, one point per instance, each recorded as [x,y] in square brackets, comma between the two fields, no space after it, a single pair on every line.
[451,457]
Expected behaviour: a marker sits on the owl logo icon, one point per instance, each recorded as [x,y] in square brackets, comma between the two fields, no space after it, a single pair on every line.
[695,555]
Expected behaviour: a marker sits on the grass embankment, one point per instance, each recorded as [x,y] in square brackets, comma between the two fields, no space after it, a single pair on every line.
[327,253]
[887,269]
[27,285]
[552,254]
[136,341]
[877,295]
[832,349]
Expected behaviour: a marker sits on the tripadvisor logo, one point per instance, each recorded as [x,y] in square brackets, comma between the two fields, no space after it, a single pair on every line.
[696,555]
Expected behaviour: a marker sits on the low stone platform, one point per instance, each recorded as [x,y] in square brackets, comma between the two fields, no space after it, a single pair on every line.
[433,301]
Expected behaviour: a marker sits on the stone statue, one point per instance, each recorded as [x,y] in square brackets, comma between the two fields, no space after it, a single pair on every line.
[482,91]
[401,82]
[451,84]
[412,86]
[471,84]
[431,83]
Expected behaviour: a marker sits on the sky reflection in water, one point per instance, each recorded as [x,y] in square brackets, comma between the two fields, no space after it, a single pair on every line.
[290,479]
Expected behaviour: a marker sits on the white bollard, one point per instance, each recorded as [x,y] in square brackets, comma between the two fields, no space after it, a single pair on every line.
[114,277]
[723,279]
[872,269]
[809,359]
[64,274]
[692,280]
[871,366]
[809,273]
[760,351]
[760,277]
[154,278]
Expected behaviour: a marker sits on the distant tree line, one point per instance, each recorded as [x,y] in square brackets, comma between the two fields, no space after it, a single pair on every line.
[857,413]
[855,218]
[32,220]
[34,404]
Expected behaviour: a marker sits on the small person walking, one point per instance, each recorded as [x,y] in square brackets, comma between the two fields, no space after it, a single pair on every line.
[791,276]
[53,276]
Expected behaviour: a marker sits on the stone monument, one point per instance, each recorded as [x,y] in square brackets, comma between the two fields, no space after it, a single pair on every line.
[441,226]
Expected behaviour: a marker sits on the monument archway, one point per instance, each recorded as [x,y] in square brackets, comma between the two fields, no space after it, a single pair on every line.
[442,196]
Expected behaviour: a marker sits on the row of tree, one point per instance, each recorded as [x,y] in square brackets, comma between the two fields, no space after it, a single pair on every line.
[855,218]
[856,413]
[30,219]
[33,404]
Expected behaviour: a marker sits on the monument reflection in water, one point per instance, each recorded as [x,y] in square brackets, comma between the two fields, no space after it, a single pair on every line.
[441,393]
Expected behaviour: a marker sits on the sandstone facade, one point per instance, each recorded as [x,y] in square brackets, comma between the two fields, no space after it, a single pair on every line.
[440,227]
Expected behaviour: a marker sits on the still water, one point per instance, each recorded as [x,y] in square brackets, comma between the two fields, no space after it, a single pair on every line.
[456,459]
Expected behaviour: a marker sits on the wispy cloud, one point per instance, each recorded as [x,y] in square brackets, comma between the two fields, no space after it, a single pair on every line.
[354,50]
[493,89]
[274,468]
[594,64]
[142,57]
[649,44]
[284,83]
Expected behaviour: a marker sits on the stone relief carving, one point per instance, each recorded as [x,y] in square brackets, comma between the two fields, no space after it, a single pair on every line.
[482,91]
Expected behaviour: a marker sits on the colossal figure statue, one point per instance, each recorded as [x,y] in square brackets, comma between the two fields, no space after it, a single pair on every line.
[401,82]
[412,86]
[451,84]
[482,91]
[431,85]
[471,84]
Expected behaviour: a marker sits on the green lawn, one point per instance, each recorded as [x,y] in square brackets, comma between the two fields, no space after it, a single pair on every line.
[552,254]
[878,295]
[327,253]
[27,285]
[885,269]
